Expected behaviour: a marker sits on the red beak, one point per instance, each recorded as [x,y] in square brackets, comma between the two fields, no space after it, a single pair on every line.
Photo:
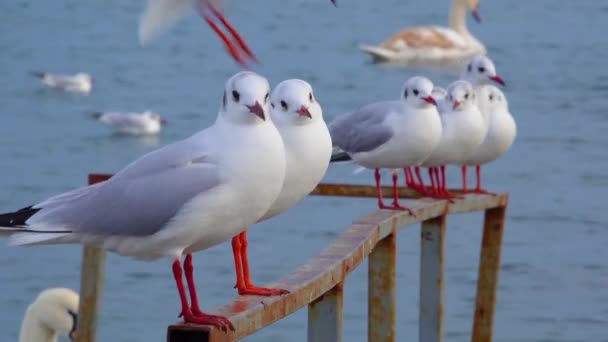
[257,110]
[476,15]
[456,104]
[430,99]
[498,80]
[303,111]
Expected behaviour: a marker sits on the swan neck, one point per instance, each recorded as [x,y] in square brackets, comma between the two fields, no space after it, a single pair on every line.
[457,19]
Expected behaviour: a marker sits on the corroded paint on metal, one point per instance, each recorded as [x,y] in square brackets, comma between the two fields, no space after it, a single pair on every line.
[487,281]
[91,287]
[432,270]
[325,316]
[381,290]
[322,273]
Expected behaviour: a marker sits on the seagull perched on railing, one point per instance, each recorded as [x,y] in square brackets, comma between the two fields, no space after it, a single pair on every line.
[183,198]
[161,14]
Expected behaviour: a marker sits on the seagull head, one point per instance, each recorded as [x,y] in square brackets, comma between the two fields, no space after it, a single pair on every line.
[481,70]
[461,94]
[493,99]
[246,98]
[417,92]
[292,101]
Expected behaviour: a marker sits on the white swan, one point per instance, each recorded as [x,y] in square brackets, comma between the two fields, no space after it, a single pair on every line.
[432,42]
[53,313]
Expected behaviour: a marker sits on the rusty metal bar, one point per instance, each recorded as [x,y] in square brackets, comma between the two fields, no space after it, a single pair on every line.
[92,274]
[487,281]
[432,269]
[325,316]
[381,290]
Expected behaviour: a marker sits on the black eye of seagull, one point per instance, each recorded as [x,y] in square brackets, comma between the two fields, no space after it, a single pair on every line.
[283,105]
[466,96]
[236,96]
[266,97]
[491,97]
[481,69]
[415,92]
[405,94]
[310,96]
[272,104]
[469,67]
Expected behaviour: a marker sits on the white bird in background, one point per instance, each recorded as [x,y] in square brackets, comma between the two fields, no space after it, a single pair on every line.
[481,72]
[79,83]
[391,134]
[433,42]
[299,119]
[146,123]
[159,15]
[53,313]
[188,196]
[463,130]
[501,133]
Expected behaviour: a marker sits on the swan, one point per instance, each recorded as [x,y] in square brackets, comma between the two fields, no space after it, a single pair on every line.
[432,42]
[54,312]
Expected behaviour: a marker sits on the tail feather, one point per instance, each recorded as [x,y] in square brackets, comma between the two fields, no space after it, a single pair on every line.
[25,239]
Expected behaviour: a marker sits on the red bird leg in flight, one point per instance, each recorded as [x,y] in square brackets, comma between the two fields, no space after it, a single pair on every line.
[244,284]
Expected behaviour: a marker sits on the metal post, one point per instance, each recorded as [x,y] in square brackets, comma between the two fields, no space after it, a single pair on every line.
[91,287]
[381,290]
[432,270]
[325,316]
[487,281]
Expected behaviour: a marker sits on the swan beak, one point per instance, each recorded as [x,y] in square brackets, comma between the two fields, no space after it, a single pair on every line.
[475,13]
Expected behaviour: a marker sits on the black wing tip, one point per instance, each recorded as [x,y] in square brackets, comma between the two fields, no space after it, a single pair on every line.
[17,219]
[38,74]
[340,157]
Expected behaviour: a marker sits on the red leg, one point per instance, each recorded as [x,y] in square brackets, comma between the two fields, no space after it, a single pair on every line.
[444,186]
[409,178]
[249,288]
[381,204]
[189,269]
[434,190]
[232,50]
[478,189]
[217,321]
[463,169]
[238,266]
[396,204]
[233,32]
[421,188]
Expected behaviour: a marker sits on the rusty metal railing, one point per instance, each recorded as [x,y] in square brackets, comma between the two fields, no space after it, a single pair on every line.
[319,283]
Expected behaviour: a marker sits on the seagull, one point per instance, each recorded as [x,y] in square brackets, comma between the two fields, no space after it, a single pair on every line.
[159,15]
[298,116]
[391,134]
[180,199]
[463,130]
[79,83]
[146,123]
[500,135]
[481,72]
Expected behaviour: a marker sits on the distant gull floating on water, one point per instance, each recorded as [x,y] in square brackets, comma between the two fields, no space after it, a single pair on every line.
[159,15]
[299,119]
[79,83]
[53,313]
[145,123]
[432,42]
[391,134]
[185,197]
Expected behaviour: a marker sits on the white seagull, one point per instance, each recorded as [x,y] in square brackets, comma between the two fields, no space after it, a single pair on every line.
[501,133]
[299,119]
[463,130]
[432,42]
[145,123]
[79,83]
[391,134]
[183,198]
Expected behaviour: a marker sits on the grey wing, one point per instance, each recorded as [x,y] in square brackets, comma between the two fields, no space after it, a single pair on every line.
[134,207]
[139,200]
[362,130]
